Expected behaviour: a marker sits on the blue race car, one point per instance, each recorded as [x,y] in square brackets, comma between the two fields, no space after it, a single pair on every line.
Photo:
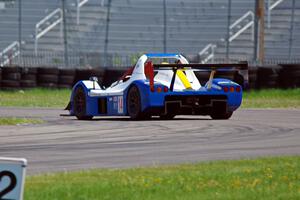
[162,85]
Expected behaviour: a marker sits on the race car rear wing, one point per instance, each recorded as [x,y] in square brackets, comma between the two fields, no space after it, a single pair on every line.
[241,67]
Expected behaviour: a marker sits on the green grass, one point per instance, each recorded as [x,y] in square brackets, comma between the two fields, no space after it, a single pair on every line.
[271,98]
[35,98]
[264,178]
[17,121]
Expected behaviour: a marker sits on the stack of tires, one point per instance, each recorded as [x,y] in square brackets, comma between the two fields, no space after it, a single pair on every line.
[0,76]
[268,77]
[112,74]
[85,74]
[252,77]
[28,77]
[47,77]
[289,76]
[66,78]
[11,77]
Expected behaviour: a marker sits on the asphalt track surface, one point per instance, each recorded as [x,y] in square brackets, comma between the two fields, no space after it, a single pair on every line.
[64,143]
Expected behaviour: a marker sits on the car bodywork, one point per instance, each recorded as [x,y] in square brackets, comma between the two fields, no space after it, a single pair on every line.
[161,89]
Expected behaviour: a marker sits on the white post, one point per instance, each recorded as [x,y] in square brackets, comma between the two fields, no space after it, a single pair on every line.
[78,11]
[36,40]
[269,14]
[253,28]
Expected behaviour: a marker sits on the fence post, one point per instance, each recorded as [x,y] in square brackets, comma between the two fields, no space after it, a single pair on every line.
[165,25]
[66,55]
[292,29]
[20,30]
[228,29]
[107,32]
[261,11]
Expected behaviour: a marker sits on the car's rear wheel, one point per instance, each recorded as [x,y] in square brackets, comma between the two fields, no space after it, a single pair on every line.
[221,115]
[134,104]
[80,105]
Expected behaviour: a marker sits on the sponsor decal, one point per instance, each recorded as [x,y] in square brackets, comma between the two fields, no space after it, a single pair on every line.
[120,104]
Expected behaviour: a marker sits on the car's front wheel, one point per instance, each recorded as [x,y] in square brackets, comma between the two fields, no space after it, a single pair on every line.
[80,105]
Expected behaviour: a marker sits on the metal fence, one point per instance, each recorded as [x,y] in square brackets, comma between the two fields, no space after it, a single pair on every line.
[76,33]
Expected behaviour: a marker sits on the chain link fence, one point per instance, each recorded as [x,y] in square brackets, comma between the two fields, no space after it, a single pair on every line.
[79,33]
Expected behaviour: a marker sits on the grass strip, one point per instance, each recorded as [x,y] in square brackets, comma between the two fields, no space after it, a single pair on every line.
[272,98]
[263,178]
[39,97]
[56,98]
[18,121]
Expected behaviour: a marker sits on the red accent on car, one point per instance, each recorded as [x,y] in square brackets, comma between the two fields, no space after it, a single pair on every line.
[166,89]
[158,89]
[238,89]
[226,89]
[231,89]
[149,73]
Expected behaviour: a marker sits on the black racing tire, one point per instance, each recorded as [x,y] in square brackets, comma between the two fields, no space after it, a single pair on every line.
[28,83]
[79,101]
[47,78]
[67,72]
[221,115]
[64,86]
[10,84]
[66,80]
[31,77]
[11,70]
[167,116]
[134,104]
[47,85]
[47,70]
[12,76]
[29,70]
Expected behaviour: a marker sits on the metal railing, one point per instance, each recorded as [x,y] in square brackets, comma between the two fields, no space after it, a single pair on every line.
[209,52]
[241,29]
[271,5]
[10,52]
[241,26]
[80,3]
[46,24]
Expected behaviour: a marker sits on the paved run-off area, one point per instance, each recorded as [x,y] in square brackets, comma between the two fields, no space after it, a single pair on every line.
[64,143]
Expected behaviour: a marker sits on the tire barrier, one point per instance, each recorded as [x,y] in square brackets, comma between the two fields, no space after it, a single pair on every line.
[11,77]
[252,77]
[85,74]
[28,77]
[0,76]
[268,77]
[47,77]
[284,76]
[113,74]
[289,76]
[66,78]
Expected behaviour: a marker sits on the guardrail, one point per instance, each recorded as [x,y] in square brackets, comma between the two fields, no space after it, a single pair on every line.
[46,24]
[80,3]
[246,16]
[271,5]
[10,52]
[209,50]
[242,24]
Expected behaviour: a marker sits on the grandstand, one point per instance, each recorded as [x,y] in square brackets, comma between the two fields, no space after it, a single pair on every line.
[137,26]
